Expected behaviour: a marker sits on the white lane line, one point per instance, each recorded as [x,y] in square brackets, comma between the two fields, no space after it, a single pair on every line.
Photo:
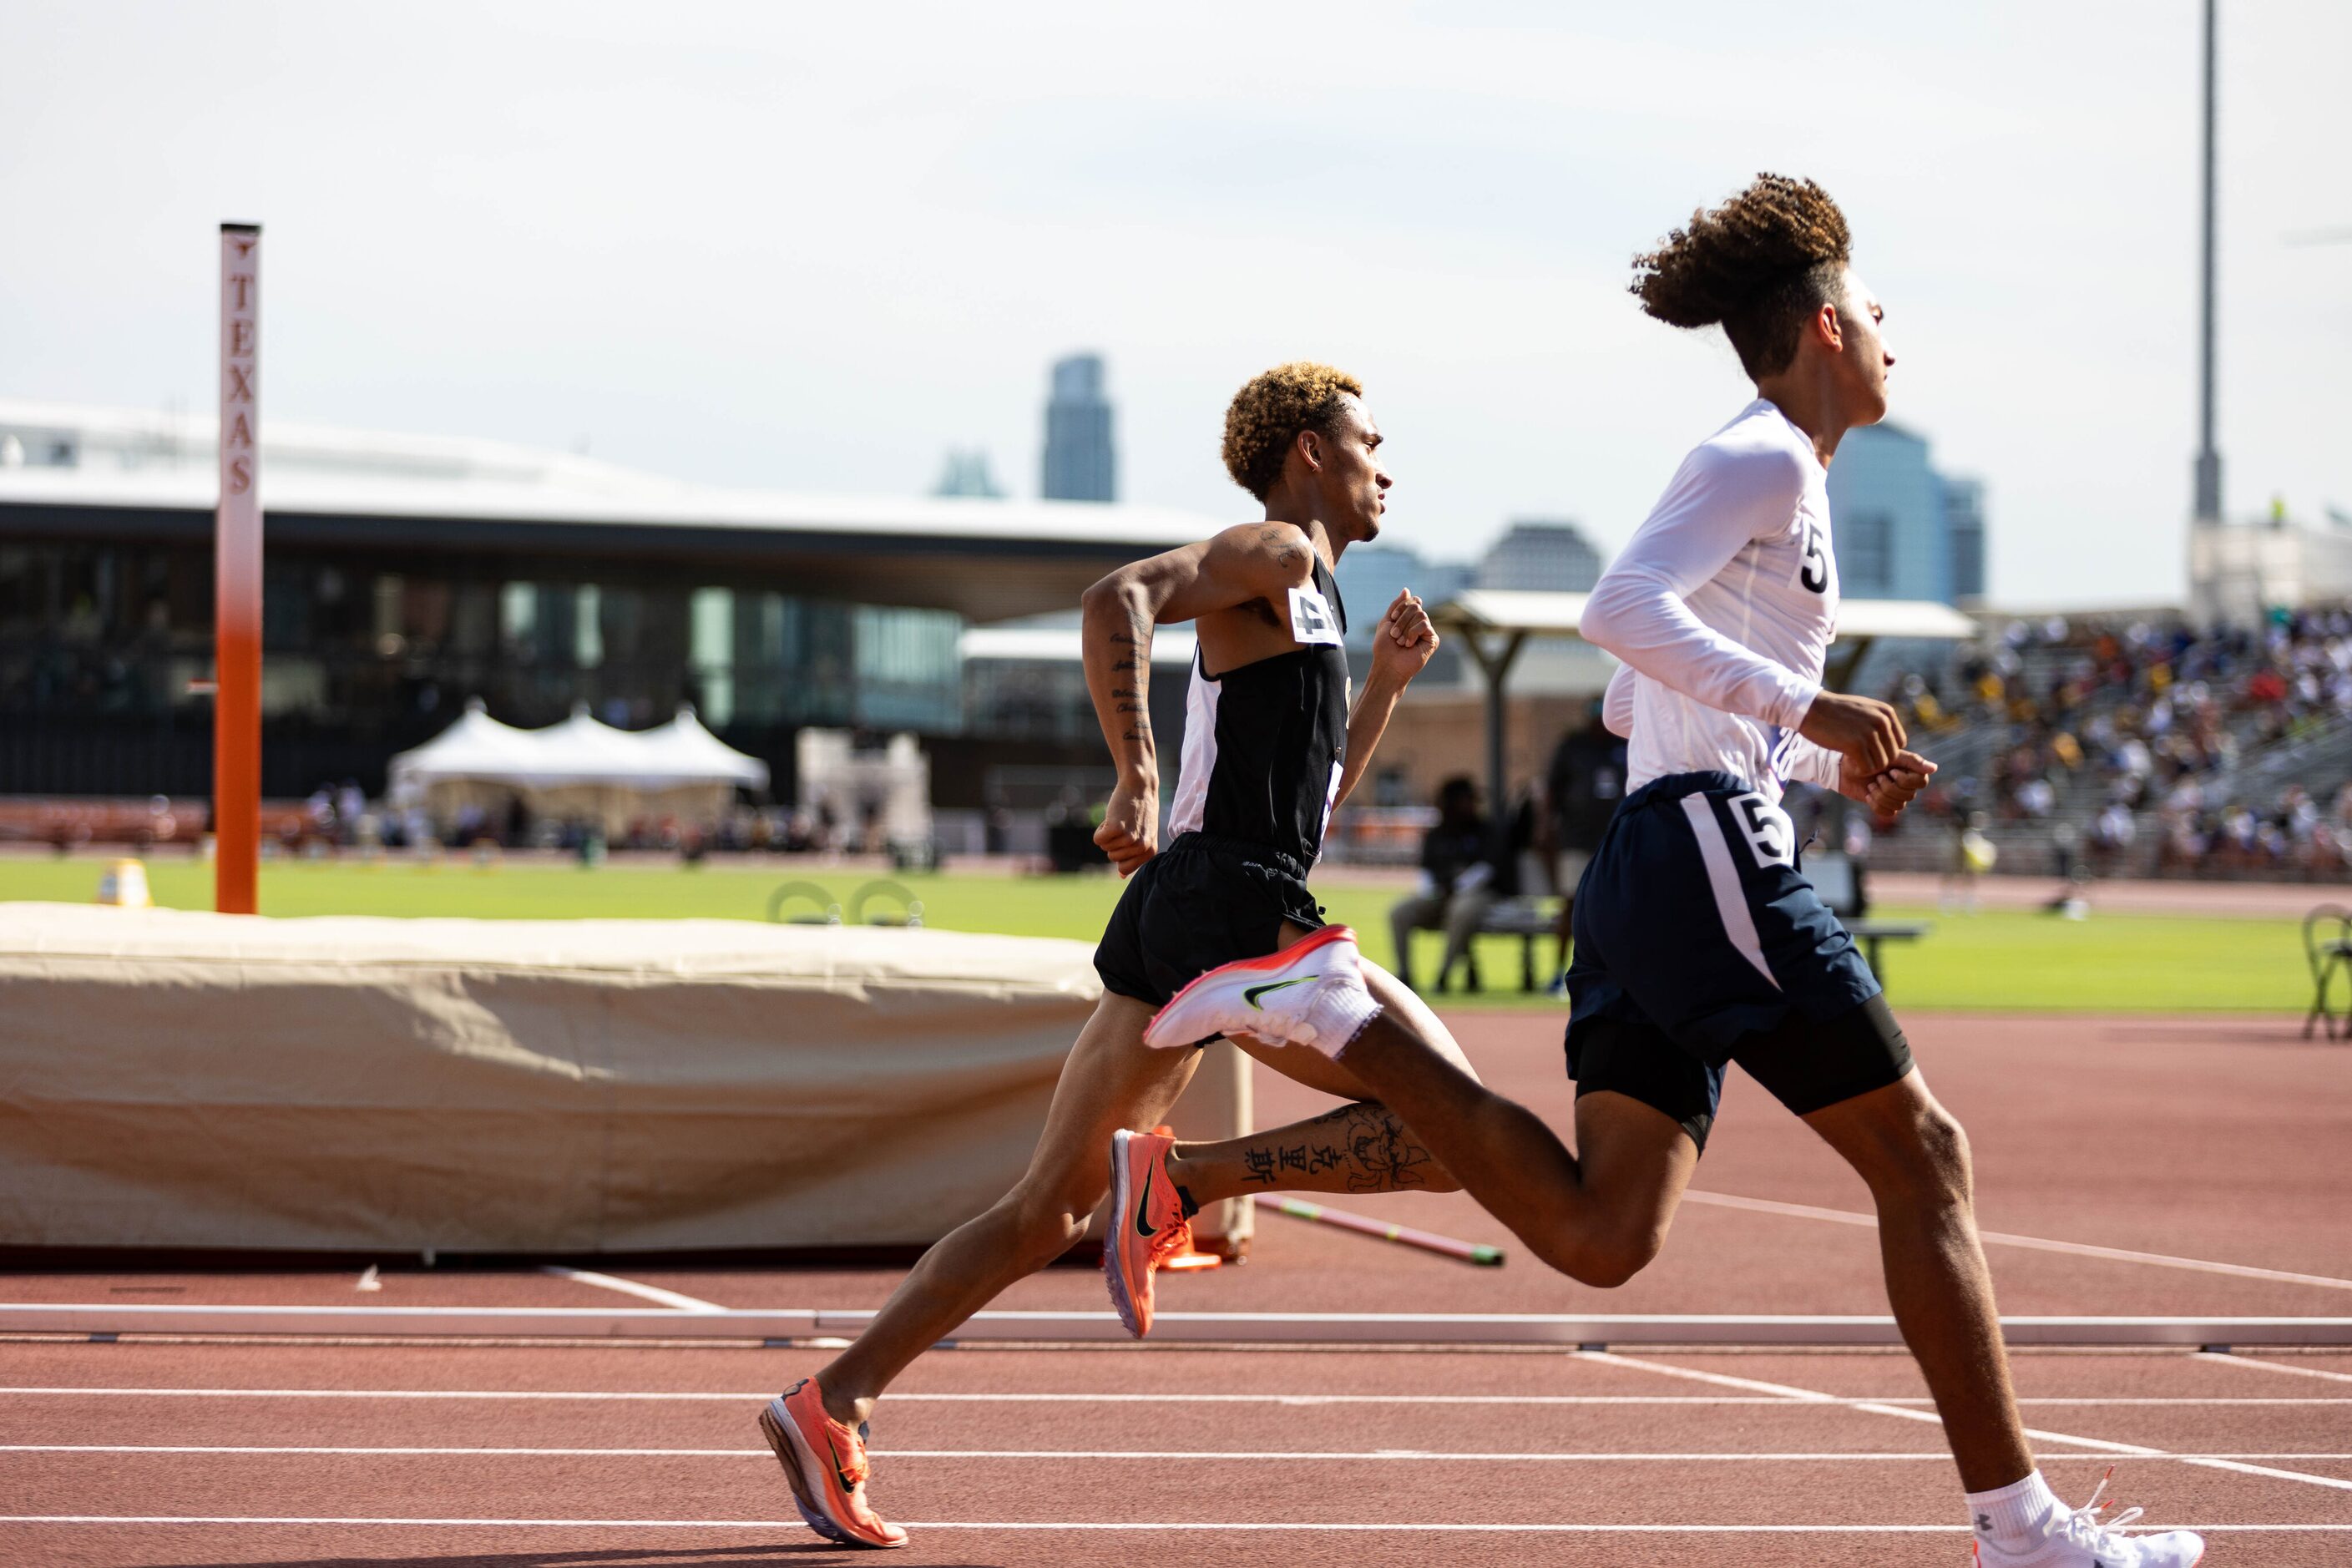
[1296,1400]
[2287,1367]
[1814,1397]
[2034,1243]
[653,1293]
[1275,1455]
[1187,1527]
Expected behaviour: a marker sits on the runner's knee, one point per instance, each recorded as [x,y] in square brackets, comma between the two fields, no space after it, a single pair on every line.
[1047,1223]
[1608,1257]
[1925,1162]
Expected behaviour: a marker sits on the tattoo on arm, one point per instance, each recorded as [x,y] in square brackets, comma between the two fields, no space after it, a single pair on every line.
[1284,542]
[1129,699]
[1365,1142]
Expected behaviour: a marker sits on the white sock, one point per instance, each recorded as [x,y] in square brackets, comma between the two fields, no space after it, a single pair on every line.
[1339,1013]
[2017,1517]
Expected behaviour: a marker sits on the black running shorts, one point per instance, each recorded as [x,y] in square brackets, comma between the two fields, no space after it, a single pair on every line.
[1202,901]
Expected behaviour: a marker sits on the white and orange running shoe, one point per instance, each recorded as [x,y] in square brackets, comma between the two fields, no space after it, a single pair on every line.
[826,1463]
[1148,1223]
[1311,993]
[2079,1539]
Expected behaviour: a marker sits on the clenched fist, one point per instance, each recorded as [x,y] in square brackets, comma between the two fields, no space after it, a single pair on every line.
[1865,731]
[1403,646]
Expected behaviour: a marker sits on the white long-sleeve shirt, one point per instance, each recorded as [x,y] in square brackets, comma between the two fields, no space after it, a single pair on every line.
[1722,607]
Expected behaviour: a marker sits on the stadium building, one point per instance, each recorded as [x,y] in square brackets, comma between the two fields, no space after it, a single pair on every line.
[407,575]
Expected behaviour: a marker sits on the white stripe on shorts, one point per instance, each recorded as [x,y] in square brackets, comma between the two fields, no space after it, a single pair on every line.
[1730,902]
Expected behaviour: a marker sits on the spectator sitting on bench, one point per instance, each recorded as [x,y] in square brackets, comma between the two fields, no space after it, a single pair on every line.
[1459,882]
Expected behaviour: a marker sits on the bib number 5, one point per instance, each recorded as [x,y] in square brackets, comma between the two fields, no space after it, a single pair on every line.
[1771,837]
[1814,567]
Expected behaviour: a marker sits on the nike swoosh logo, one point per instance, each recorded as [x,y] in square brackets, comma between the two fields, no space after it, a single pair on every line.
[1254,991]
[834,1448]
[1143,1209]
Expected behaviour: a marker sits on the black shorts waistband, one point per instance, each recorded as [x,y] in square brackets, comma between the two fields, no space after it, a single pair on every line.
[1674,786]
[1241,850]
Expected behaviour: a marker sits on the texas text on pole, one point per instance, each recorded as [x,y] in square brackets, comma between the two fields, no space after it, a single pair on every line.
[237,708]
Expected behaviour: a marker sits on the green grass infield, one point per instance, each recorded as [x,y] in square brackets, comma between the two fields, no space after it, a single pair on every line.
[1998,961]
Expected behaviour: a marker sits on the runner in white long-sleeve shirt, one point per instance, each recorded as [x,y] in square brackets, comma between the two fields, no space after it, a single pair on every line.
[1698,941]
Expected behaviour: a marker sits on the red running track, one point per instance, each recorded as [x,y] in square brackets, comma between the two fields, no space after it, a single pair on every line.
[1002,1456]
[2209,1144]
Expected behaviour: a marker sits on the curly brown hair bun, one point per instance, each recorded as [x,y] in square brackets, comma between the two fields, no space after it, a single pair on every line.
[1761,264]
[1264,418]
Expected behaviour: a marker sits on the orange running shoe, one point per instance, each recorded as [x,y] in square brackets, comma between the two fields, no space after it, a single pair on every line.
[1147,1220]
[826,1463]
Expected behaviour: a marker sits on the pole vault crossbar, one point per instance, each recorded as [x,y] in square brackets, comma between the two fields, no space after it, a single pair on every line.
[107,1318]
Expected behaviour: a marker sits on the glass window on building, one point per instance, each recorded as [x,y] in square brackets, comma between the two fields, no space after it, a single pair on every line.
[588,626]
[711,639]
[909,670]
[473,619]
[518,620]
[820,644]
[1865,554]
[289,594]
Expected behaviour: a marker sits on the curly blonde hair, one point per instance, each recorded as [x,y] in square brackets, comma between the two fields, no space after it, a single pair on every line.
[1265,416]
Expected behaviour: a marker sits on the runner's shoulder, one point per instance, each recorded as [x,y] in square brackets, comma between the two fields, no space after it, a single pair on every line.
[1279,552]
[1757,454]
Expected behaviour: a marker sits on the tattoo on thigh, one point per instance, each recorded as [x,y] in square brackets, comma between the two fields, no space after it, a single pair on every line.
[1365,1140]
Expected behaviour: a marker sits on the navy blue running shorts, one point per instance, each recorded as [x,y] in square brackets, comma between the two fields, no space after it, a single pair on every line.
[1699,943]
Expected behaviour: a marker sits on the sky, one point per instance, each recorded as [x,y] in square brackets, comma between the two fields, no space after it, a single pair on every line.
[812,248]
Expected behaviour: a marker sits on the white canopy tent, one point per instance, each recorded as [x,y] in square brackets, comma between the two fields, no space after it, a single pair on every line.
[1495,623]
[577,768]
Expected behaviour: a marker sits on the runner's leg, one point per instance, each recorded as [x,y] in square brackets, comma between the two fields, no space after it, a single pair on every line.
[1111,1081]
[1359,1147]
[1598,1216]
[1464,913]
[1915,1157]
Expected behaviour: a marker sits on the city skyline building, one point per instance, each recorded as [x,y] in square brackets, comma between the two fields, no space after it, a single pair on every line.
[1965,526]
[1542,554]
[1079,462]
[967,473]
[1902,530]
[1372,575]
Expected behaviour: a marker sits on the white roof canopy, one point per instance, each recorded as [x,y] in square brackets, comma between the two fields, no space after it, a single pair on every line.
[1559,615]
[1496,624]
[580,751]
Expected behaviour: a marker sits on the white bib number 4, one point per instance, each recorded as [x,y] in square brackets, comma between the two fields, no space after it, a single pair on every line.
[1311,620]
[1771,837]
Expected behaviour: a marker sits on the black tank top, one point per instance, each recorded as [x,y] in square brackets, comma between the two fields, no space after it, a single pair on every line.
[1265,744]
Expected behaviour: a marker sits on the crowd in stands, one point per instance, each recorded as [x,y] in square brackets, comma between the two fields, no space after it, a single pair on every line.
[336,818]
[2111,730]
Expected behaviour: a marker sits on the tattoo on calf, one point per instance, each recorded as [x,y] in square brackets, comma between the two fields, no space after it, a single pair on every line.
[1365,1140]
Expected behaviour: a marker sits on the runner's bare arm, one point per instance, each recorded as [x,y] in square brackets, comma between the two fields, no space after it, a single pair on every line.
[1401,649]
[1256,562]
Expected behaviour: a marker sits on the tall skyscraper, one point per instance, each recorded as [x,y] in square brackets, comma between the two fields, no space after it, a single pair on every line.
[1555,557]
[1904,530]
[1079,464]
[1964,524]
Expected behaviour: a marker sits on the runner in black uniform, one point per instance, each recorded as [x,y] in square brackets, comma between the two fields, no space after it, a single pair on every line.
[1264,748]
[1273,741]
